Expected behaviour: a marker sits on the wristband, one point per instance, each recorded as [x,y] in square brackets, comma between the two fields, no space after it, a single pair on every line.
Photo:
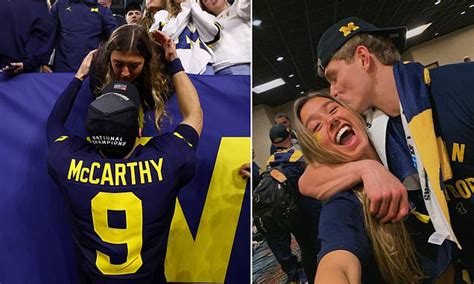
[174,66]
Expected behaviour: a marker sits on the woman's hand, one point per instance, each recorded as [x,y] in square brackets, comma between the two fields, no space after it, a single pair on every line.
[167,43]
[86,65]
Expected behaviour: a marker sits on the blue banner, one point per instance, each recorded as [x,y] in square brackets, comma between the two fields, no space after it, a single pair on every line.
[209,238]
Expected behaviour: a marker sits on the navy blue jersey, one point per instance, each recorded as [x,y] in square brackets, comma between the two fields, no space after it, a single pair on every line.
[453,100]
[121,209]
[342,227]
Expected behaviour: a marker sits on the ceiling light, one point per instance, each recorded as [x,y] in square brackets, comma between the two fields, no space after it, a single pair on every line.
[302,92]
[463,12]
[291,75]
[297,86]
[436,34]
[471,6]
[437,2]
[418,30]
[280,58]
[256,22]
[268,86]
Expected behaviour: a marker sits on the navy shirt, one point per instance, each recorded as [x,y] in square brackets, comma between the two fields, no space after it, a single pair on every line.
[121,210]
[80,27]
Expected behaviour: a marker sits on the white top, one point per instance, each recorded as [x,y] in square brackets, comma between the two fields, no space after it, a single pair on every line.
[191,30]
[234,46]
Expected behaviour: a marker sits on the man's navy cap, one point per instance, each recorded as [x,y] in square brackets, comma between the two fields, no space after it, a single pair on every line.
[132,6]
[112,119]
[339,33]
[278,133]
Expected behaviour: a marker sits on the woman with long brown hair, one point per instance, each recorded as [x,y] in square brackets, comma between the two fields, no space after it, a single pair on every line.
[355,247]
[132,55]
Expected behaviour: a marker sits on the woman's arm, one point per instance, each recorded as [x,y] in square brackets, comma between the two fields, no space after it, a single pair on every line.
[207,25]
[173,27]
[388,197]
[339,267]
[188,100]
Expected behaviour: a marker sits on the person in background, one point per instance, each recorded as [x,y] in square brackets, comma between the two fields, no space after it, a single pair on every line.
[79,28]
[151,7]
[119,19]
[26,39]
[302,222]
[133,13]
[232,51]
[193,31]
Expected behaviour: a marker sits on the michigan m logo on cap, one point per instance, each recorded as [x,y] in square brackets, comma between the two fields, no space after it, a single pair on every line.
[346,30]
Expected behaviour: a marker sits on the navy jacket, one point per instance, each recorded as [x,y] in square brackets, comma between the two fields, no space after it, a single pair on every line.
[80,27]
[27,31]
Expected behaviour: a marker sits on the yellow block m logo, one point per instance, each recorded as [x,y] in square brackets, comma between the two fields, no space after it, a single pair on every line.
[346,30]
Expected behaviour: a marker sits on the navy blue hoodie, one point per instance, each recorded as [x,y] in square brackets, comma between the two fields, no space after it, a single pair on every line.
[80,27]
[27,33]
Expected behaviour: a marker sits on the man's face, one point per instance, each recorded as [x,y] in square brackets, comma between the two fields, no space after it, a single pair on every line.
[350,83]
[105,3]
[284,121]
[133,17]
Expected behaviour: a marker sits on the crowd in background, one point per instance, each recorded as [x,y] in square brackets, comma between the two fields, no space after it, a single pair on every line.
[55,36]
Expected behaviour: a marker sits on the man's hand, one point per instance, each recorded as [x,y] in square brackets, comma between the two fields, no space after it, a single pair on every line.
[244,170]
[167,43]
[14,68]
[388,196]
[86,65]
[46,69]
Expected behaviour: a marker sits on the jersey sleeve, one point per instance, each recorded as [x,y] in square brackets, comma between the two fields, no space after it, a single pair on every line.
[60,112]
[341,227]
[173,27]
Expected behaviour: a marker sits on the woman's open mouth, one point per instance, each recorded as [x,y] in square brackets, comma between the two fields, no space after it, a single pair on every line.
[345,135]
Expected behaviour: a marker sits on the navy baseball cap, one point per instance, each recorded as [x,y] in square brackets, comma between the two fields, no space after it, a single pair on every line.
[112,119]
[278,133]
[339,33]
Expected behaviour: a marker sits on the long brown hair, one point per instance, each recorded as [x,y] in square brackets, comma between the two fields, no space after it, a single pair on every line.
[391,243]
[153,82]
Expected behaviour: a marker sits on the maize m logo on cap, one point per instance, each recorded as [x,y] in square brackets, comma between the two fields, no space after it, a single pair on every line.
[346,30]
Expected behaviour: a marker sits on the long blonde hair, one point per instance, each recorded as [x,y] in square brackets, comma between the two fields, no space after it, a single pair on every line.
[153,82]
[392,246]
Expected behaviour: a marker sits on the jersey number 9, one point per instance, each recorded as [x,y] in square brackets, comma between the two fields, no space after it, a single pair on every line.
[131,235]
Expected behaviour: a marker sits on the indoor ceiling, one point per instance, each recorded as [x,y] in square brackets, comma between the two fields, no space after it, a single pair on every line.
[291,29]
